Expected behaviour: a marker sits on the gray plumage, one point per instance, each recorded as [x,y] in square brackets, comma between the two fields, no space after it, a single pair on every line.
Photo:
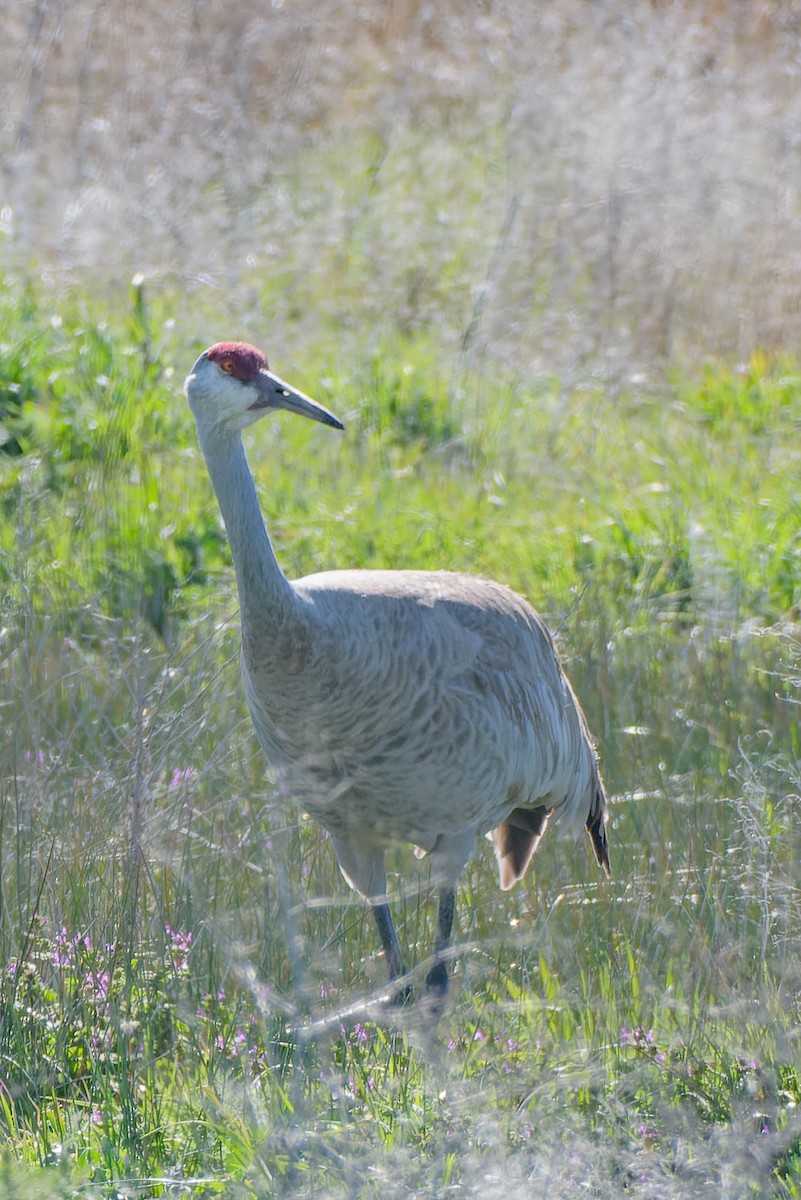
[394,706]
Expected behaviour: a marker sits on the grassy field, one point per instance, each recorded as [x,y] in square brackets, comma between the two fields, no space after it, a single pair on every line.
[540,259]
[559,186]
[188,987]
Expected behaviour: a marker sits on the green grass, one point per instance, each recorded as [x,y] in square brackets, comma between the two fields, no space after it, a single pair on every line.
[186,981]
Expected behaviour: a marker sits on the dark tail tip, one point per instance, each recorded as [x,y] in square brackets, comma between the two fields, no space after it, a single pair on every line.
[596,828]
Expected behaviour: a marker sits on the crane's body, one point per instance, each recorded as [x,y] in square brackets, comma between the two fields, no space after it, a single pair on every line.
[412,706]
[394,706]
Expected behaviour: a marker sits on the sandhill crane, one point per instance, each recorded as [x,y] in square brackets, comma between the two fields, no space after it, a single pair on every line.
[425,707]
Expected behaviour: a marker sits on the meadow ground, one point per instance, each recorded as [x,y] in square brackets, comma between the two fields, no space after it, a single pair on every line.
[539,265]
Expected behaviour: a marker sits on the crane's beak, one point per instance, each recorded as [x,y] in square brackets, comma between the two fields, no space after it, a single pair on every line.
[274,393]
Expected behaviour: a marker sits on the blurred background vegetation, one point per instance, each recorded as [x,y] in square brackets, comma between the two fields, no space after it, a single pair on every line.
[558,186]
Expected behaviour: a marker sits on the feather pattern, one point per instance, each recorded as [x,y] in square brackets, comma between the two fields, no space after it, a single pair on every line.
[404,706]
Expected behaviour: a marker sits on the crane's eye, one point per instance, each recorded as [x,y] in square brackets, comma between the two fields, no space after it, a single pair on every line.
[227,365]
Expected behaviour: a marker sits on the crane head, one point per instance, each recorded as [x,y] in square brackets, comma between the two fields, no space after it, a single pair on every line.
[231,386]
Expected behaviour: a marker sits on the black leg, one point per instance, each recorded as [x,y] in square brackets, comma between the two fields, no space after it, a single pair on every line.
[437,977]
[389,940]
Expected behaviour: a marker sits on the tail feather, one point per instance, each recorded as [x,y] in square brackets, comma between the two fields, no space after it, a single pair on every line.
[516,840]
[596,827]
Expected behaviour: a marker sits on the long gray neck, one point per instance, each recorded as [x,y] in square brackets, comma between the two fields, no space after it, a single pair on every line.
[265,595]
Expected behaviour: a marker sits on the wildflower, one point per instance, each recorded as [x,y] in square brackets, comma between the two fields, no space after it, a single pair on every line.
[643,1040]
[97,1117]
[62,950]
[97,986]
[182,944]
[479,1036]
[181,775]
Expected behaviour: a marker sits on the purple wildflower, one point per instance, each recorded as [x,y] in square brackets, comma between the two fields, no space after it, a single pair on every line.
[182,944]
[97,986]
[180,776]
[62,950]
